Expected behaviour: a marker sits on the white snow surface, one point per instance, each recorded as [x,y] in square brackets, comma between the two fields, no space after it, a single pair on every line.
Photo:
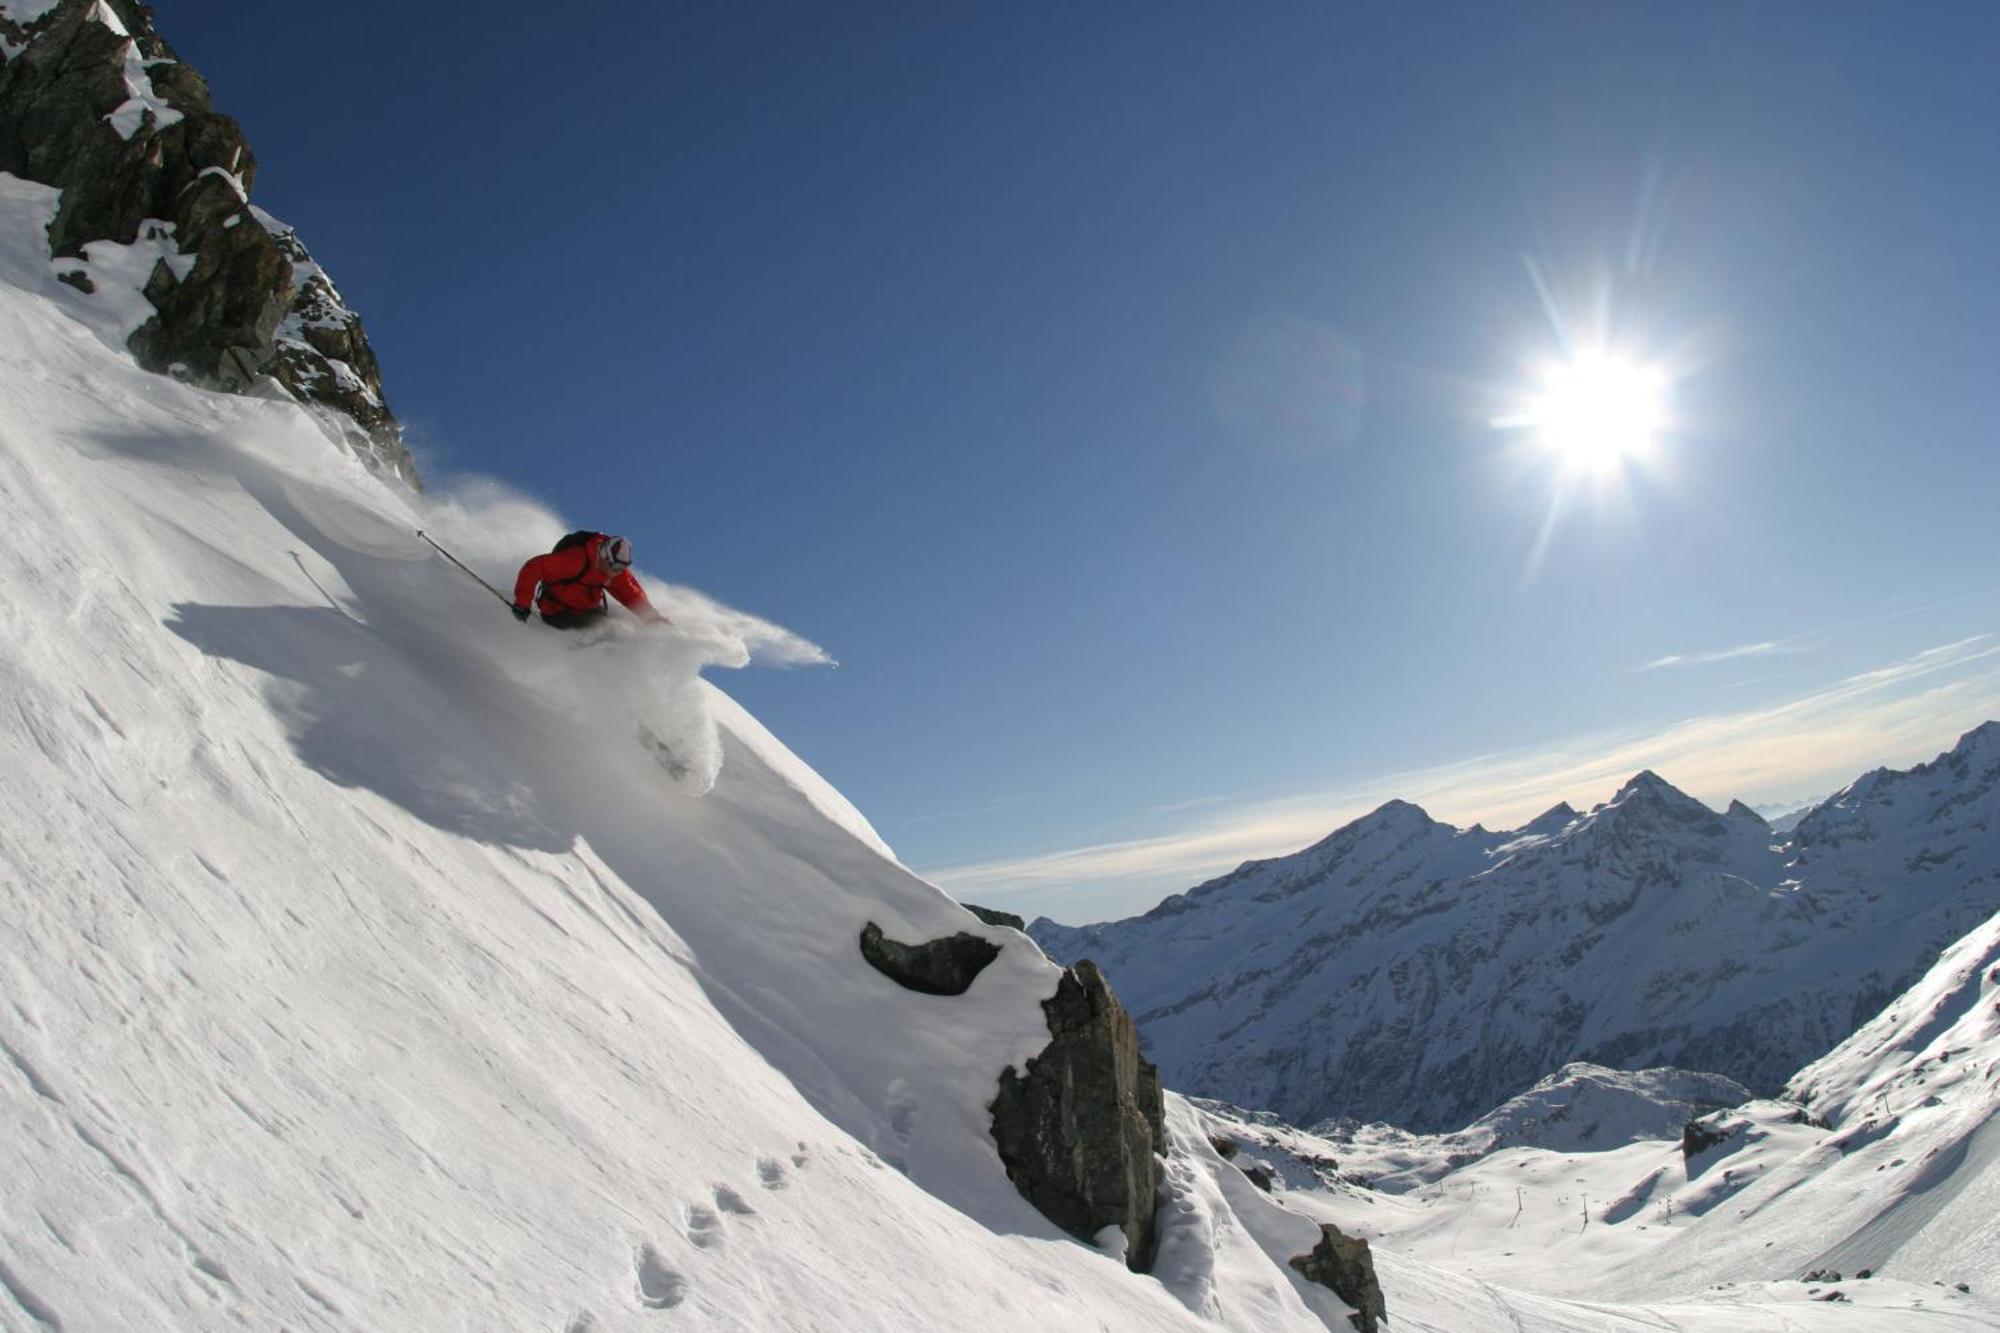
[1869,1202]
[23,13]
[26,11]
[359,971]
[1913,1097]
[130,116]
[1579,1108]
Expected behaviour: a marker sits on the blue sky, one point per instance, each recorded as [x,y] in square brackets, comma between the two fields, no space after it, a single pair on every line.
[1112,392]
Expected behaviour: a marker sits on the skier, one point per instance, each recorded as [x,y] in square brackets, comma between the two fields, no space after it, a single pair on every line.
[573,579]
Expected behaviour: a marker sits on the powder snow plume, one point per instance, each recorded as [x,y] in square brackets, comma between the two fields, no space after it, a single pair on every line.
[494,528]
[625,677]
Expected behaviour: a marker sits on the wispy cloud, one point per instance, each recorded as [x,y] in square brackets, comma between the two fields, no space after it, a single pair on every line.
[1722,655]
[1805,640]
[1195,803]
[1898,713]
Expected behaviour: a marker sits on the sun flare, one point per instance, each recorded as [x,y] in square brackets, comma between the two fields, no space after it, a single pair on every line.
[1596,411]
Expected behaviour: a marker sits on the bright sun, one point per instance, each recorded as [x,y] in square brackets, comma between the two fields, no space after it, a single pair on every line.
[1596,411]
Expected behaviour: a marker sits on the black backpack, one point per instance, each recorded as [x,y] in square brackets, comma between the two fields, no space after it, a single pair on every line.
[569,541]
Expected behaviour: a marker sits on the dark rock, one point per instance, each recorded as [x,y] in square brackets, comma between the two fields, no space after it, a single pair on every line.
[251,306]
[995,918]
[1080,1133]
[1822,1275]
[1698,1137]
[78,279]
[1260,1176]
[1228,1148]
[937,967]
[1343,1265]
[220,323]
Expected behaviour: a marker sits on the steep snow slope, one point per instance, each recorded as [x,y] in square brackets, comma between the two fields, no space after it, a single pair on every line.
[1913,1098]
[360,971]
[357,972]
[1406,971]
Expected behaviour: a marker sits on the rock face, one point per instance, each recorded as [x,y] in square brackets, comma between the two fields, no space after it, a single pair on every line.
[94,102]
[936,967]
[1081,1131]
[1343,1265]
[1407,971]
[1698,1137]
[994,917]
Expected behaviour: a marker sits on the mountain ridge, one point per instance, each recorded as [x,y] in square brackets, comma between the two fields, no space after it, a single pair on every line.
[1651,930]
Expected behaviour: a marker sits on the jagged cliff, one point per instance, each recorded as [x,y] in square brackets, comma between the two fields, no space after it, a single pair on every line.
[95,102]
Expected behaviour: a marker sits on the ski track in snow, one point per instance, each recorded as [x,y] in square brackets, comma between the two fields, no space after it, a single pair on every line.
[362,971]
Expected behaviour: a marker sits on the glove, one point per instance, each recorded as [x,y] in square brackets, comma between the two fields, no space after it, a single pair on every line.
[520,613]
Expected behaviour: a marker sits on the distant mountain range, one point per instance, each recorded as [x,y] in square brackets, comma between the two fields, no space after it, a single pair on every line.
[1407,971]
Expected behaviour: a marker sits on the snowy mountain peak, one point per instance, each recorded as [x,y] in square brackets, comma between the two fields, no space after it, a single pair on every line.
[1951,797]
[1739,811]
[1552,820]
[1649,805]
[1648,785]
[1399,814]
[1394,817]
[1405,971]
[1980,745]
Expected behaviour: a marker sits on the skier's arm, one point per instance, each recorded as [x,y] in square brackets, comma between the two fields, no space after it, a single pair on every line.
[551,568]
[633,597]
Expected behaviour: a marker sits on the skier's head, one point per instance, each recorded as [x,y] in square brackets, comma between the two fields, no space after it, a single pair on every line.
[616,554]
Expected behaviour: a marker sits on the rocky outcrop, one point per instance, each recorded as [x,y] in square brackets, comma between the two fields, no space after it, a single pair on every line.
[994,917]
[1343,1265]
[1698,1137]
[94,102]
[936,967]
[1080,1132]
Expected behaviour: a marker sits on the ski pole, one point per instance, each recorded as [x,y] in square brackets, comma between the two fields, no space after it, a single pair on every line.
[461,564]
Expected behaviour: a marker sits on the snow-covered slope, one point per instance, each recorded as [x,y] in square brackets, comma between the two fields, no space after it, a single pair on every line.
[1579,1108]
[1912,1098]
[1406,971]
[1873,1186]
[360,971]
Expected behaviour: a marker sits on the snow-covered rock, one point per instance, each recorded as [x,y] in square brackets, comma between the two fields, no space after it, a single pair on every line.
[155,220]
[1406,971]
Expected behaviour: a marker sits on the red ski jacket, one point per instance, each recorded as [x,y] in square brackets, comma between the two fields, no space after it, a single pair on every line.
[571,581]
